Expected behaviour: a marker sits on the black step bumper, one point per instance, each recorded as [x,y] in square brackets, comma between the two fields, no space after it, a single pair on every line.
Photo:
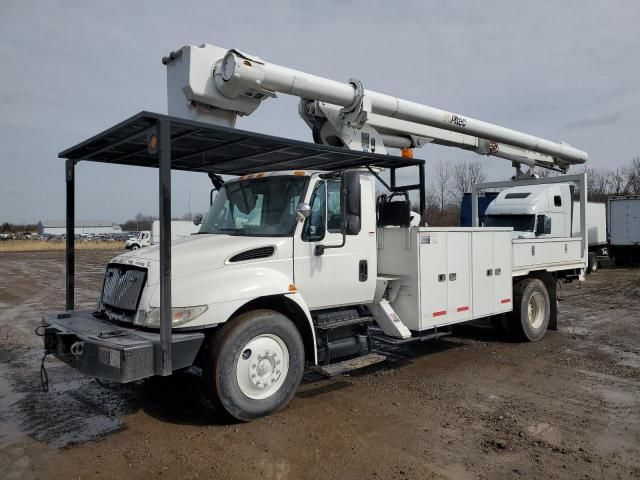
[109,351]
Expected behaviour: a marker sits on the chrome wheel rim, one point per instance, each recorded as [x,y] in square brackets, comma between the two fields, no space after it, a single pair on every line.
[262,366]
[535,310]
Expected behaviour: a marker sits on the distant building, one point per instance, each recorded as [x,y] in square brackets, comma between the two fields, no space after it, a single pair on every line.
[87,227]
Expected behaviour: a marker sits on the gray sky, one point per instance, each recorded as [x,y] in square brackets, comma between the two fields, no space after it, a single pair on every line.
[563,70]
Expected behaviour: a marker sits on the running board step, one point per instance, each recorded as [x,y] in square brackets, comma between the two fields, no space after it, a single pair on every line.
[352,364]
[431,334]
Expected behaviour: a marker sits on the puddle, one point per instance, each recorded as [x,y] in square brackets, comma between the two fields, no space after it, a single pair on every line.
[75,410]
[546,432]
[623,355]
[575,330]
[11,431]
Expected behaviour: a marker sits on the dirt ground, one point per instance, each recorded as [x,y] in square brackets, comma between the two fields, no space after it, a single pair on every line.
[470,406]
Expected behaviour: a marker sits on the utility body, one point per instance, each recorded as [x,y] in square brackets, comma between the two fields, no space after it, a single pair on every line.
[301,259]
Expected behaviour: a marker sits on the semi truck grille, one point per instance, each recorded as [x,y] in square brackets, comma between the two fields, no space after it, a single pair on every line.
[123,286]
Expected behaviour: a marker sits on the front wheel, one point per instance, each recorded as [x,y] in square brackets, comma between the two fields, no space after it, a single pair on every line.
[531,310]
[255,365]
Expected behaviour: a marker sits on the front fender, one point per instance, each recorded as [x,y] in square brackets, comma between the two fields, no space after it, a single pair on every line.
[225,285]
[227,290]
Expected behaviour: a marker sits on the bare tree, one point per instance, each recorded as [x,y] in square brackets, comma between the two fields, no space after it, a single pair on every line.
[618,182]
[465,175]
[633,176]
[442,177]
[598,184]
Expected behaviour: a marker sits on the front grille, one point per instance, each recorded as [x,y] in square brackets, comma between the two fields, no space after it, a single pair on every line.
[123,286]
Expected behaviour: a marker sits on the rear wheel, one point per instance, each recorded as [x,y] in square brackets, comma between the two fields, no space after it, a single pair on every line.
[592,263]
[532,310]
[255,364]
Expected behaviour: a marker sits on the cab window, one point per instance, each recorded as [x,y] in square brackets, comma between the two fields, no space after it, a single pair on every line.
[334,207]
[314,227]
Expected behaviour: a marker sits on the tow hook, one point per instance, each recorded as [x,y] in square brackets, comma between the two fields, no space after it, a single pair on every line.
[77,348]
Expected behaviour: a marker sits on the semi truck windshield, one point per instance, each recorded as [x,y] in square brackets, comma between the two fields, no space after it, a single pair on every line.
[520,223]
[256,207]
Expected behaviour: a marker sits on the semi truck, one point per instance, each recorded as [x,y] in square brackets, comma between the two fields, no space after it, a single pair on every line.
[549,211]
[624,229]
[308,250]
[179,229]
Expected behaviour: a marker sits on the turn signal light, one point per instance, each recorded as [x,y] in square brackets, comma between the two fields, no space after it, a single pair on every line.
[407,153]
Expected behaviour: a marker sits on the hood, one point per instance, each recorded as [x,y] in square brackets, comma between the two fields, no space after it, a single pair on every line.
[201,253]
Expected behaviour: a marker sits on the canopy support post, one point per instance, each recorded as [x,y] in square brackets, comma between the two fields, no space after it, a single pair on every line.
[70,240]
[164,177]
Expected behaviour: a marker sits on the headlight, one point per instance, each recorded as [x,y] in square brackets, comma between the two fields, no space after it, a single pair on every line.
[179,316]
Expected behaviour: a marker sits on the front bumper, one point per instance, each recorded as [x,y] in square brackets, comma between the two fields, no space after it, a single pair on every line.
[105,350]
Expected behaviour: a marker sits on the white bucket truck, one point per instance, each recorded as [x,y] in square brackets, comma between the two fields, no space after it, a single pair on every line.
[300,261]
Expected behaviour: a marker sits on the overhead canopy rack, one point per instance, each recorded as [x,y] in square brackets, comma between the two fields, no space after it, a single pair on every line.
[201,147]
[171,143]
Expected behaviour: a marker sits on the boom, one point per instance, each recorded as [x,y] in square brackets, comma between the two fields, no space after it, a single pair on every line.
[220,84]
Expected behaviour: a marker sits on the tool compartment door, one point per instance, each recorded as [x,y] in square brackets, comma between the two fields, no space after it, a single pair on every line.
[458,276]
[482,249]
[433,278]
[502,272]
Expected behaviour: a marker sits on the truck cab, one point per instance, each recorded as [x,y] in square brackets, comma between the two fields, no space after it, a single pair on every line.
[533,211]
[143,239]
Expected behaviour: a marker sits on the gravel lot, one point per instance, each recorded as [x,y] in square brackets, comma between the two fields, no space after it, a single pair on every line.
[468,406]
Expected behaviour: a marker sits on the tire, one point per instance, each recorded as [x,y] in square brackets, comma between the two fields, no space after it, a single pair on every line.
[531,310]
[592,262]
[254,365]
[134,247]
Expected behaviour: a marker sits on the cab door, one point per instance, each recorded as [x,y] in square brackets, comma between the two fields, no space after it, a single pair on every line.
[340,276]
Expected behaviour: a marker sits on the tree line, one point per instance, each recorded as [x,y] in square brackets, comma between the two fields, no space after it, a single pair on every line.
[449,183]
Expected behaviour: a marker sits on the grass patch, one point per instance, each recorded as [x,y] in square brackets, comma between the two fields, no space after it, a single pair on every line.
[42,245]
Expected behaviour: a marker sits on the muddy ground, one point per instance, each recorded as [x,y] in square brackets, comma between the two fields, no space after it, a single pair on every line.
[468,406]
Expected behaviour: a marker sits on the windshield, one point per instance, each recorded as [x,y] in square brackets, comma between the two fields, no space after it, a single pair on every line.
[520,223]
[256,207]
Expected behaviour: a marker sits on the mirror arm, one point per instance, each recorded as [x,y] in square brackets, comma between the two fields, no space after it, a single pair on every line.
[319,250]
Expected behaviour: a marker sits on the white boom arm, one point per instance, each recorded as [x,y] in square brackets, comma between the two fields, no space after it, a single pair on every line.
[219,84]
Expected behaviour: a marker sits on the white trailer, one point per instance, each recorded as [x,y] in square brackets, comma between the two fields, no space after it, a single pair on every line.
[624,228]
[179,229]
[300,260]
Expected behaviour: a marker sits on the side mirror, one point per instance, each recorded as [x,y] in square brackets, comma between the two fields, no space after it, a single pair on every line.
[197,220]
[303,210]
[350,188]
[547,225]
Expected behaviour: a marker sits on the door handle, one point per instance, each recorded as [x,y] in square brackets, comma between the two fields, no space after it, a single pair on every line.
[363,270]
